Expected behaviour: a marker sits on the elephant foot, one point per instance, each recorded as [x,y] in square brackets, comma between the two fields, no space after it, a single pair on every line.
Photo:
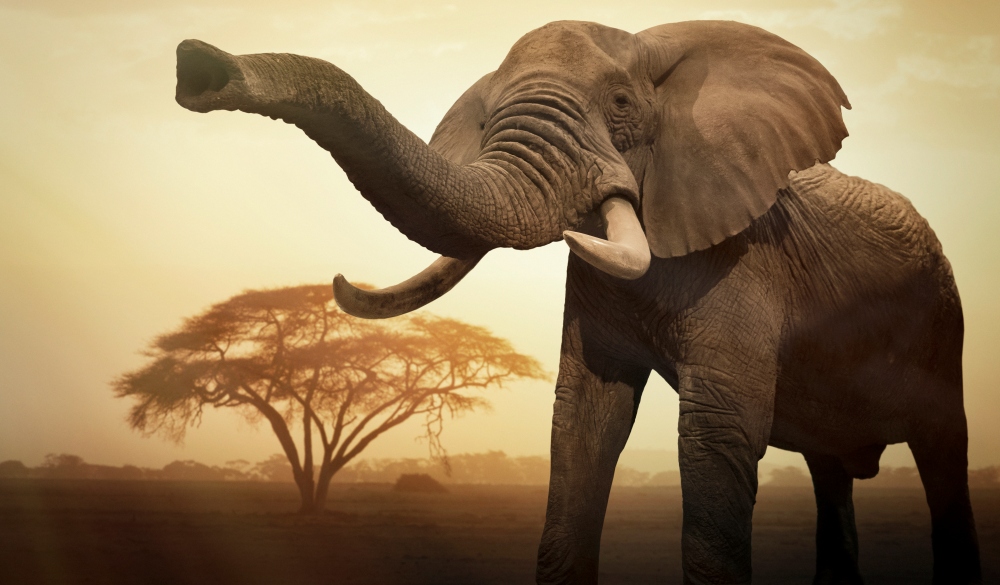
[963,570]
[840,576]
[940,454]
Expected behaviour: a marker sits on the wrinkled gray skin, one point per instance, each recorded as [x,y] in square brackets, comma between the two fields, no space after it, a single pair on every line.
[787,304]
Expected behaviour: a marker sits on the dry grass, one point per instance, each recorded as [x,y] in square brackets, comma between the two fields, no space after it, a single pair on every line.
[63,531]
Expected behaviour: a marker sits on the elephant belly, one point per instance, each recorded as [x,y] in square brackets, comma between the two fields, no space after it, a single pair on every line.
[868,375]
[841,414]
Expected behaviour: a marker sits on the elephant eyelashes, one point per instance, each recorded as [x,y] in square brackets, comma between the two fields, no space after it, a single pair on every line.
[621,106]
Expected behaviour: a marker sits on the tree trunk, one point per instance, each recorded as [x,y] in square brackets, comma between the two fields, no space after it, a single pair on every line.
[307,492]
[326,473]
[306,484]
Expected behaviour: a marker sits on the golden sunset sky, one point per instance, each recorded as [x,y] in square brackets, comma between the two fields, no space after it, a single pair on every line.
[121,213]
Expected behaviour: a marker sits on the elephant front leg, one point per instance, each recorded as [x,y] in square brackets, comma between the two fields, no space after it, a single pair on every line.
[596,401]
[725,422]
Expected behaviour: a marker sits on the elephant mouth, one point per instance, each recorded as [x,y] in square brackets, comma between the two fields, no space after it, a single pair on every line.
[625,253]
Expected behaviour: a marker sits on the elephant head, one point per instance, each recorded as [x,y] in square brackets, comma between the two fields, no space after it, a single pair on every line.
[678,137]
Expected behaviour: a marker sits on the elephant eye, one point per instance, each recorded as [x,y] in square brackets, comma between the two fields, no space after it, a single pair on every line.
[623,118]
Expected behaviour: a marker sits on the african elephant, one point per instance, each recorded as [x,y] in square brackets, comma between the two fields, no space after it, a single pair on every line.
[686,167]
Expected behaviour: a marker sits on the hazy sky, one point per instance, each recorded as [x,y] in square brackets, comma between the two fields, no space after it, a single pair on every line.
[121,213]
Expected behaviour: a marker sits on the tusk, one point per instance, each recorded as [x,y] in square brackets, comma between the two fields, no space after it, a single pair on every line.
[409,295]
[625,253]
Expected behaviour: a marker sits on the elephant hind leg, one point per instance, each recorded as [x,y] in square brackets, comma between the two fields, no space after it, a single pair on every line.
[836,534]
[941,456]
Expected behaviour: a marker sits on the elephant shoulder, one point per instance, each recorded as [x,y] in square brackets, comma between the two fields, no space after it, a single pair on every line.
[871,214]
[842,238]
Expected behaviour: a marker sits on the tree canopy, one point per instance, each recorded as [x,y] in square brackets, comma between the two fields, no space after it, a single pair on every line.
[291,356]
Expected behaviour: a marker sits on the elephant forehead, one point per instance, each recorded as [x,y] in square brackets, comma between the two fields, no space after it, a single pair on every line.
[578,51]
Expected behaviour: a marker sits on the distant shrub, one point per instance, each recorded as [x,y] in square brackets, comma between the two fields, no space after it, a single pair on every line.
[789,476]
[274,468]
[64,466]
[665,478]
[893,477]
[14,469]
[628,477]
[62,460]
[984,477]
[418,482]
[130,472]
[191,471]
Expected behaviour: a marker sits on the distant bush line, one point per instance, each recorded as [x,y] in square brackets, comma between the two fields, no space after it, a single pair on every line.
[888,477]
[493,468]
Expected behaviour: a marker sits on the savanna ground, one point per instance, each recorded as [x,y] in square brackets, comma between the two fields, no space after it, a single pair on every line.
[153,532]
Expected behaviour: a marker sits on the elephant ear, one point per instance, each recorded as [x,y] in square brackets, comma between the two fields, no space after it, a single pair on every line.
[459,136]
[740,109]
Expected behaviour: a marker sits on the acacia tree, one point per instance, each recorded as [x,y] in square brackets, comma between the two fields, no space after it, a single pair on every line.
[291,356]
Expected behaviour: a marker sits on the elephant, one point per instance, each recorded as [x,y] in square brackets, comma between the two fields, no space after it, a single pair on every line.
[687,168]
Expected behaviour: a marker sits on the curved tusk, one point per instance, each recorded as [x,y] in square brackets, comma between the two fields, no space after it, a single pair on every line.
[409,295]
[625,253]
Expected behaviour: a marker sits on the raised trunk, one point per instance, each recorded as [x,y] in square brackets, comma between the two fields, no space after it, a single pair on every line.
[507,198]
[431,283]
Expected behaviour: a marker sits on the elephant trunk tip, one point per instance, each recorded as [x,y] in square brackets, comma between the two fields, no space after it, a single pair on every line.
[202,72]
